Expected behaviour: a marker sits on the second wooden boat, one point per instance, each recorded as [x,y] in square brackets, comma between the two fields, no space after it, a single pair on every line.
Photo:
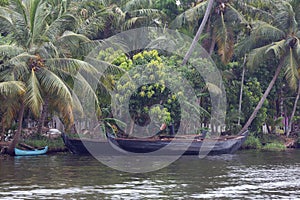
[189,145]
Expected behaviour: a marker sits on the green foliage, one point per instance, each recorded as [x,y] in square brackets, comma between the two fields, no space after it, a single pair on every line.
[160,115]
[148,66]
[94,19]
[115,57]
[4,2]
[44,141]
[145,57]
[252,94]
[274,146]
[252,142]
[147,84]
[4,39]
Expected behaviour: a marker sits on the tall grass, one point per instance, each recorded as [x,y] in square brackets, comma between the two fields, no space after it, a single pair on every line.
[43,141]
[274,146]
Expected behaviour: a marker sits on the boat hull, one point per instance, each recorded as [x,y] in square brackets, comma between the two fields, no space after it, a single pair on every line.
[179,146]
[121,146]
[88,146]
[20,152]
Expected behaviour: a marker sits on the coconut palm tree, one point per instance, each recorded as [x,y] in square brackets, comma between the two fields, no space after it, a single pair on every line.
[278,40]
[222,21]
[40,55]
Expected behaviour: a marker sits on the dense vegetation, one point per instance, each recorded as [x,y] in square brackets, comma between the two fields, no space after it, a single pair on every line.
[254,43]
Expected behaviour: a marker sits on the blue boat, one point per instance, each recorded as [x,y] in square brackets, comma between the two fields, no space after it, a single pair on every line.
[20,152]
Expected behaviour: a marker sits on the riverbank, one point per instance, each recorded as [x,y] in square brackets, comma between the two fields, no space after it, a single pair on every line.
[54,145]
[270,142]
[264,143]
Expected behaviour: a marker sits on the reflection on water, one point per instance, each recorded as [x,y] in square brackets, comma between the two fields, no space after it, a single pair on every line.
[247,174]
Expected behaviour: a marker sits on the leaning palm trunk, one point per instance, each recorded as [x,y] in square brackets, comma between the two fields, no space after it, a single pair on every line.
[262,100]
[241,91]
[199,32]
[294,111]
[17,135]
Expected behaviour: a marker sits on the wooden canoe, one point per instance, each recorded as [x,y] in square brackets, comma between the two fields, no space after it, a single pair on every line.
[20,152]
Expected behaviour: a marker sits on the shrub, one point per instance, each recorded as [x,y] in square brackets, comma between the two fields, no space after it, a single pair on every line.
[252,142]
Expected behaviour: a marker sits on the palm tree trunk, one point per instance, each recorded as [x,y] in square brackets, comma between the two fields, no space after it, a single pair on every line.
[3,130]
[241,91]
[199,32]
[212,45]
[262,100]
[294,111]
[17,135]
[42,118]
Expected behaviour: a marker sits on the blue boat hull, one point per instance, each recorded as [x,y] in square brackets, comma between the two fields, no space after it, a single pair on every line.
[19,152]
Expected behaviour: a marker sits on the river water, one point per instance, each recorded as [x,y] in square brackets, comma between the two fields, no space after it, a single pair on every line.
[244,175]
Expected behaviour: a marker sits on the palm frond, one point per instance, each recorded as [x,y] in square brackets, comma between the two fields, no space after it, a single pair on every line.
[291,73]
[53,84]
[75,44]
[77,106]
[104,67]
[65,110]
[20,7]
[278,48]
[38,16]
[95,24]
[89,88]
[70,37]
[262,33]
[10,50]
[149,11]
[285,16]
[225,41]
[32,8]
[296,7]
[256,56]
[265,31]
[136,4]
[18,25]
[9,110]
[12,88]
[238,14]
[128,24]
[48,50]
[5,15]
[254,11]
[20,59]
[33,97]
[70,65]
[59,26]
[192,15]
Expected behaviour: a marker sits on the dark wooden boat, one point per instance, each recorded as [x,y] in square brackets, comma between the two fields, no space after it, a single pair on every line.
[83,146]
[188,145]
